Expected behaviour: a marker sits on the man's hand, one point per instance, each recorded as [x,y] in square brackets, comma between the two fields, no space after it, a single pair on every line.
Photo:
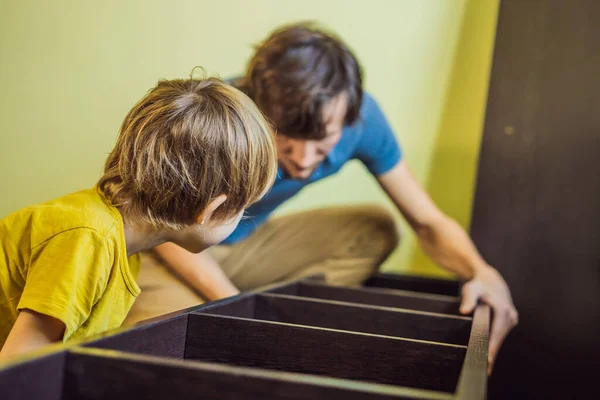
[447,243]
[490,287]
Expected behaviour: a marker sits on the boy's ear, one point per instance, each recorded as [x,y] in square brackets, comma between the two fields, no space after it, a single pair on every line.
[210,209]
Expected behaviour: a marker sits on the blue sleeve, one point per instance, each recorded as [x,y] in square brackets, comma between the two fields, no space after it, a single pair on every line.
[378,148]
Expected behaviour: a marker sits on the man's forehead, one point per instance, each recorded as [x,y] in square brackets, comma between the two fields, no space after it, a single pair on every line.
[334,111]
[328,134]
[333,119]
[335,107]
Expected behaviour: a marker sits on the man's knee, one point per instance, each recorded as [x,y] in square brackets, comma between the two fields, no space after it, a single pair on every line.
[385,227]
[376,231]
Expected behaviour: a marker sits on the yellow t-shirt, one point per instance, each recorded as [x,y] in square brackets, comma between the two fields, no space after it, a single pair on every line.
[67,259]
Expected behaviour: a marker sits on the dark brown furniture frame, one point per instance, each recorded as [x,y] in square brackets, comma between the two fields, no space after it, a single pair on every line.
[536,213]
[396,338]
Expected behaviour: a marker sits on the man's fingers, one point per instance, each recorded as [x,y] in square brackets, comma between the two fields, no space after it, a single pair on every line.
[504,320]
[470,295]
[513,317]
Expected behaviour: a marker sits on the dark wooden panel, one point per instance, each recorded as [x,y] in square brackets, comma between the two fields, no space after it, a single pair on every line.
[415,284]
[360,318]
[382,297]
[472,384]
[40,378]
[96,374]
[290,288]
[243,307]
[164,338]
[537,205]
[318,351]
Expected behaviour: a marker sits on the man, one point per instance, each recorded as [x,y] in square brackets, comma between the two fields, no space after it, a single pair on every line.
[309,85]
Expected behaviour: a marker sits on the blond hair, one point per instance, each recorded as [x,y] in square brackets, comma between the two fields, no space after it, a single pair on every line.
[182,145]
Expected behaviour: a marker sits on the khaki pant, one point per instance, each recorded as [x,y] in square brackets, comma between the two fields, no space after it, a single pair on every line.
[347,244]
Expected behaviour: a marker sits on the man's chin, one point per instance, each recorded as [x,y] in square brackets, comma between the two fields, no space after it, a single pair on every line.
[298,176]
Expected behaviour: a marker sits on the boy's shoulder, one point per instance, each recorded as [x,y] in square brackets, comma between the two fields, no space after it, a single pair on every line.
[86,209]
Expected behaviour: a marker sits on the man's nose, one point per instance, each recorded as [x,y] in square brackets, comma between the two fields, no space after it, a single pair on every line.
[304,154]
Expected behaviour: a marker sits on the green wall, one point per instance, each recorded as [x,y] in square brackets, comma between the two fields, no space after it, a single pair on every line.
[70,71]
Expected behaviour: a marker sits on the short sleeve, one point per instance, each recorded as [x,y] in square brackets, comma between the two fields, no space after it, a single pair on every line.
[67,276]
[378,148]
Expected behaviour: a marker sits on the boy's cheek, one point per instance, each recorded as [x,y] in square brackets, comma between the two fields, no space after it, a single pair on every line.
[198,239]
[215,235]
[192,239]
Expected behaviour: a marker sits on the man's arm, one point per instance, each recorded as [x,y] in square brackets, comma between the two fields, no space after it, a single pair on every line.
[30,332]
[447,243]
[200,271]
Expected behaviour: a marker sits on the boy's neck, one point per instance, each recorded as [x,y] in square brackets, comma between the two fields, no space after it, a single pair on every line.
[140,238]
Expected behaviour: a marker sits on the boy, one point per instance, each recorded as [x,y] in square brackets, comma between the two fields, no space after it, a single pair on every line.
[190,157]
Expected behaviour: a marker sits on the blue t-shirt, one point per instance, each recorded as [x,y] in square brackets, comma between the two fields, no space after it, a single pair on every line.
[370,140]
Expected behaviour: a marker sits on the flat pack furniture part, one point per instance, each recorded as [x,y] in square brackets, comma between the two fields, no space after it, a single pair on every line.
[536,214]
[394,338]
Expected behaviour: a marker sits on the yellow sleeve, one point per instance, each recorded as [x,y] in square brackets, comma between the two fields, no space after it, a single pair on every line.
[67,276]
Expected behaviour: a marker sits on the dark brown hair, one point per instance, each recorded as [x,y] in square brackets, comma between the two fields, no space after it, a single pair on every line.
[295,72]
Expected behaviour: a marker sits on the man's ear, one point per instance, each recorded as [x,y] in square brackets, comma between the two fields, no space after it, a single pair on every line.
[210,209]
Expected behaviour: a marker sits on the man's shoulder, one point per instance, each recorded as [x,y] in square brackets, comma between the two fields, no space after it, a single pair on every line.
[370,106]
